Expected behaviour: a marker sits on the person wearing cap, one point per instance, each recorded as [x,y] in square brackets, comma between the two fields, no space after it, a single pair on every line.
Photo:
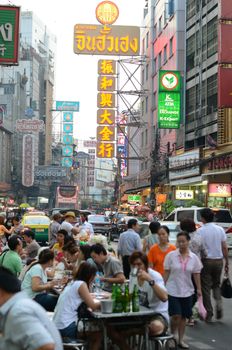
[24,323]
[67,224]
[32,247]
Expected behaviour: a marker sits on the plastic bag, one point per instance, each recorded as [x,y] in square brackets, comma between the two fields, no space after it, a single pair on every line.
[226,288]
[201,309]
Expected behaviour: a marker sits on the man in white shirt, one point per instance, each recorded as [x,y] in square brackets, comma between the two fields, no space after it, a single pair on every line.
[68,222]
[214,242]
[129,242]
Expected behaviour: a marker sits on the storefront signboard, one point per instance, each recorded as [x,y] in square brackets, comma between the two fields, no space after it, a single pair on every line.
[184,165]
[134,198]
[219,190]
[184,194]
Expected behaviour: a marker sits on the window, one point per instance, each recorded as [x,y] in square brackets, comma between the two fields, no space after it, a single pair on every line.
[146,137]
[191,45]
[171,7]
[185,214]
[147,71]
[147,40]
[212,37]
[155,65]
[165,54]
[142,139]
[160,60]
[160,24]
[146,104]
[212,94]
[155,100]
[155,31]
[142,107]
[171,47]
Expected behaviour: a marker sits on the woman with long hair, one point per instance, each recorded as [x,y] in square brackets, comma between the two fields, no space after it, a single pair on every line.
[180,265]
[35,282]
[158,251]
[77,292]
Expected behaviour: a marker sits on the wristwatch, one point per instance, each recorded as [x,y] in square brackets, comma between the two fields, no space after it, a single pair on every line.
[151,283]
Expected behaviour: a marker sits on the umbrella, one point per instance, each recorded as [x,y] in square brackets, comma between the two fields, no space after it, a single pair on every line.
[24,205]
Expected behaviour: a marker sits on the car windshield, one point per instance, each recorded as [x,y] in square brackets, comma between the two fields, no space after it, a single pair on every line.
[36,220]
[185,214]
[96,218]
[222,216]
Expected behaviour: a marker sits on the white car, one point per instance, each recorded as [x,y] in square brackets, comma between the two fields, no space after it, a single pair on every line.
[222,217]
[173,228]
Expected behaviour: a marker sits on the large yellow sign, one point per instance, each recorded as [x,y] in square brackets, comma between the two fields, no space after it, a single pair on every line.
[105,150]
[107,12]
[106,67]
[106,83]
[105,133]
[105,100]
[106,116]
[102,40]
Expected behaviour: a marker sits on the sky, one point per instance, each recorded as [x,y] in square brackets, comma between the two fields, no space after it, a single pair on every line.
[76,75]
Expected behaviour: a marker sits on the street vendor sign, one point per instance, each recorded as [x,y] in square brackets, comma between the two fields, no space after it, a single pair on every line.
[9,35]
[91,39]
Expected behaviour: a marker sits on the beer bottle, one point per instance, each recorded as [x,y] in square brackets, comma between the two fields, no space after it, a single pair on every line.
[135,299]
[113,297]
[126,306]
[119,300]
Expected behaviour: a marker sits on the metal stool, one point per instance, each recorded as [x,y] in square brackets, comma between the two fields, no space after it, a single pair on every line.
[75,344]
[162,343]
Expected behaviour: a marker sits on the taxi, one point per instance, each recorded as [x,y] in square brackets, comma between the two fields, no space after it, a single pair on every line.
[39,223]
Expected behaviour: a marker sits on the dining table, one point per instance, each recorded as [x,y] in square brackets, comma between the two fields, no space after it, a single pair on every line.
[141,318]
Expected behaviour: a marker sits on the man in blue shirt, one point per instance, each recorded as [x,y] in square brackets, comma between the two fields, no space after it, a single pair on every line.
[129,242]
[24,324]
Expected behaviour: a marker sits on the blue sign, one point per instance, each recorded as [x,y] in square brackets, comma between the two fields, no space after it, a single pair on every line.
[68,128]
[67,162]
[67,151]
[29,112]
[68,117]
[67,139]
[69,106]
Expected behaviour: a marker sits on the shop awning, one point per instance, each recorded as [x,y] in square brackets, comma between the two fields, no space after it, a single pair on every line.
[136,189]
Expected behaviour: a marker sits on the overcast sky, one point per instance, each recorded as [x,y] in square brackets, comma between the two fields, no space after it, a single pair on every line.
[76,75]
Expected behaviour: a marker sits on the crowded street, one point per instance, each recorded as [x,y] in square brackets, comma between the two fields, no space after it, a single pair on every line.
[115,175]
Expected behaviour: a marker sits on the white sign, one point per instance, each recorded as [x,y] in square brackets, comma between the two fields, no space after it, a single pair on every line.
[184,165]
[184,194]
[30,125]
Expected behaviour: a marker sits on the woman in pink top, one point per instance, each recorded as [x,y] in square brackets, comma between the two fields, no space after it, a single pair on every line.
[180,265]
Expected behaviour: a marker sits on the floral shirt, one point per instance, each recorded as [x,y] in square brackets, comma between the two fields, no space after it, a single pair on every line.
[196,245]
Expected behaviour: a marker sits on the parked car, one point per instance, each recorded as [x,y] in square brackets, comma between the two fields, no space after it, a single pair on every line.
[101,224]
[39,223]
[222,217]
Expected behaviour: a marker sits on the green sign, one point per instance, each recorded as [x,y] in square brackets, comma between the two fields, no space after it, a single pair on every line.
[134,198]
[169,113]
[9,35]
[169,81]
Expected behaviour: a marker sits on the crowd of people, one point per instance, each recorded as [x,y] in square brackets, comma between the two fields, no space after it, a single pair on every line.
[170,279]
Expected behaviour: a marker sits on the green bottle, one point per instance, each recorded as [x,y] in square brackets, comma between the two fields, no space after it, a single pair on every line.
[113,297]
[118,300]
[126,304]
[135,299]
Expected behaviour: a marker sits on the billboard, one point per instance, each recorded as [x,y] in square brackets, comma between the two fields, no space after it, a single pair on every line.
[169,100]
[30,125]
[69,106]
[9,35]
[220,190]
[91,39]
[47,172]
[186,160]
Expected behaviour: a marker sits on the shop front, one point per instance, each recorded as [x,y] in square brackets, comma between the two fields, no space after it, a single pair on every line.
[217,172]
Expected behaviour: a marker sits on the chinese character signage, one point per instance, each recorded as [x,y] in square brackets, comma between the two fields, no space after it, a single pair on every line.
[9,34]
[184,194]
[169,100]
[116,40]
[106,109]
[28,161]
[107,12]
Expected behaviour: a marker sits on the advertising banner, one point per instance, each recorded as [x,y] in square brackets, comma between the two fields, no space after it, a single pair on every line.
[169,112]
[220,190]
[116,40]
[9,35]
[70,106]
[169,100]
